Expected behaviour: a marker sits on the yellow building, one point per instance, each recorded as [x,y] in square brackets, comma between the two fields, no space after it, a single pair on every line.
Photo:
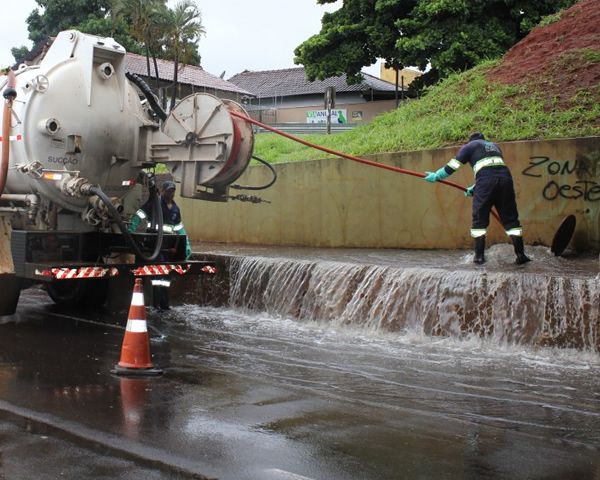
[405,76]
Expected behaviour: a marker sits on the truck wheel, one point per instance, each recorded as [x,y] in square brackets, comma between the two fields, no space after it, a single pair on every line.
[10,286]
[78,293]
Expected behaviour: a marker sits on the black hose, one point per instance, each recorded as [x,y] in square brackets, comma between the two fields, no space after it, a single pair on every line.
[117,218]
[262,187]
[147,91]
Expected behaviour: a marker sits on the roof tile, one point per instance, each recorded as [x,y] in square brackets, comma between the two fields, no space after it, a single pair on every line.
[188,74]
[292,81]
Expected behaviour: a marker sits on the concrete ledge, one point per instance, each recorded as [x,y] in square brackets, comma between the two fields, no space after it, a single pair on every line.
[339,203]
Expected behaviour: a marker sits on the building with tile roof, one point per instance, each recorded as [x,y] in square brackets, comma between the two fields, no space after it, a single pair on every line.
[192,79]
[282,96]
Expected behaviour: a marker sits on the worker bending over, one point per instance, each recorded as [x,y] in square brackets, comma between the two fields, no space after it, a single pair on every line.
[493,188]
[171,224]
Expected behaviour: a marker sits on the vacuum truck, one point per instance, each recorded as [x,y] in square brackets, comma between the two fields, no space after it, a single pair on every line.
[81,138]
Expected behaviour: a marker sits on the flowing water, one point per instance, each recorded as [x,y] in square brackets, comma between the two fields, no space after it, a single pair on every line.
[552,301]
[421,365]
[345,365]
[380,405]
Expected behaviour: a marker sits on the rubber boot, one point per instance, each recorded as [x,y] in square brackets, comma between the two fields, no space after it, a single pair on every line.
[479,257]
[519,250]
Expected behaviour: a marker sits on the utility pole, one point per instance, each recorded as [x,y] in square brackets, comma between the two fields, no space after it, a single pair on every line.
[329,104]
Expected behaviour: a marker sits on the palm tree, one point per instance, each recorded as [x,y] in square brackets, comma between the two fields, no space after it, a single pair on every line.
[143,16]
[182,28]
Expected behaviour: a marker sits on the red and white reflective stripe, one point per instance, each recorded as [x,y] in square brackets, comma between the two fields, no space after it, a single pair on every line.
[13,138]
[83,272]
[209,269]
[146,270]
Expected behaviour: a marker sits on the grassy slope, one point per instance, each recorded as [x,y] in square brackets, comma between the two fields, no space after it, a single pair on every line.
[452,110]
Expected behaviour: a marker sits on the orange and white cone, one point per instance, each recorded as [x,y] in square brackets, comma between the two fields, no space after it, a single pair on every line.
[135,352]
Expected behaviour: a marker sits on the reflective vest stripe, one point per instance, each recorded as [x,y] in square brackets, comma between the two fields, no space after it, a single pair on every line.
[140,213]
[477,232]
[515,232]
[454,164]
[488,162]
[178,227]
[166,228]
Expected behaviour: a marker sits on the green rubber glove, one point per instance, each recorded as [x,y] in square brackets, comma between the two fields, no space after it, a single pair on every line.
[470,191]
[436,176]
[135,221]
[188,246]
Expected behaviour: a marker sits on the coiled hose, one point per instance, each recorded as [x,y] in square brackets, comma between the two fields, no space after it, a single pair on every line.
[116,216]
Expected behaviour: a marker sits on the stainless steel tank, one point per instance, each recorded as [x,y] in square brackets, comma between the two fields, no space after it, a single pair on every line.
[75,114]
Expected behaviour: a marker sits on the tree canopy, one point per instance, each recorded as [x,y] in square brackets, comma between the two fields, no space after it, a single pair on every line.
[135,24]
[89,16]
[444,35]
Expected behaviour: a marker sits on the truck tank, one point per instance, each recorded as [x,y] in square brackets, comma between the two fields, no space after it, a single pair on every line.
[83,133]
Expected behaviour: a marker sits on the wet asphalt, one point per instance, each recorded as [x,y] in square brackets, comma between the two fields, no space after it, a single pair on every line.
[244,396]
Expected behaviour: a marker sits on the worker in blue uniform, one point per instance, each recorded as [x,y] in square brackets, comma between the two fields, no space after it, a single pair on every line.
[493,188]
[171,224]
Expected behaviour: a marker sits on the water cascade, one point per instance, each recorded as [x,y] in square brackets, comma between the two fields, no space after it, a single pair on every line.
[508,307]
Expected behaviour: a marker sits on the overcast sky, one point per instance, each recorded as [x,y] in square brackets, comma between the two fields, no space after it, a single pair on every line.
[240,34]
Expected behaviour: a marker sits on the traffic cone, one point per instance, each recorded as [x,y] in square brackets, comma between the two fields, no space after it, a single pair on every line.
[135,352]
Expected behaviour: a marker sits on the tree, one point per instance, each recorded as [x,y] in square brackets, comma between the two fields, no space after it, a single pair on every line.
[61,15]
[142,26]
[182,27]
[89,16]
[20,53]
[445,35]
[143,18]
[352,37]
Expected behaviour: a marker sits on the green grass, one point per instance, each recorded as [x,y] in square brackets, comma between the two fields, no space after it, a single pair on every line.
[591,55]
[550,19]
[448,113]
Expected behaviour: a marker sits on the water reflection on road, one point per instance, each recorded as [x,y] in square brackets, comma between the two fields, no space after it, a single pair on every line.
[398,406]
[246,395]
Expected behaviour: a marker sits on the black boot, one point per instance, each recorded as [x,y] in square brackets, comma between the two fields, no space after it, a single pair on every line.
[479,257]
[519,250]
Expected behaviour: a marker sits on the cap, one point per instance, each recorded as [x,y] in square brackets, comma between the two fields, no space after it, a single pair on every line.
[168,185]
[476,136]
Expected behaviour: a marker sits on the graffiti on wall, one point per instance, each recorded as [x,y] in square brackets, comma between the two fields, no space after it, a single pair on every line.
[559,186]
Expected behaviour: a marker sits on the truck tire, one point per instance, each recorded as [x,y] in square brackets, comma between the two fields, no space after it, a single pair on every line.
[85,294]
[10,286]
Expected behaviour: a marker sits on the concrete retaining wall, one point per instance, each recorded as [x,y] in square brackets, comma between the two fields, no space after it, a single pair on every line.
[340,203]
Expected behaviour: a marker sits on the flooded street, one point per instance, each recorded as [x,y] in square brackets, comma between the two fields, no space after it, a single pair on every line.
[250,393]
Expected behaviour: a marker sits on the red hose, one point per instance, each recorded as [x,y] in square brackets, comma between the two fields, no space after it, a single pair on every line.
[6,121]
[349,157]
